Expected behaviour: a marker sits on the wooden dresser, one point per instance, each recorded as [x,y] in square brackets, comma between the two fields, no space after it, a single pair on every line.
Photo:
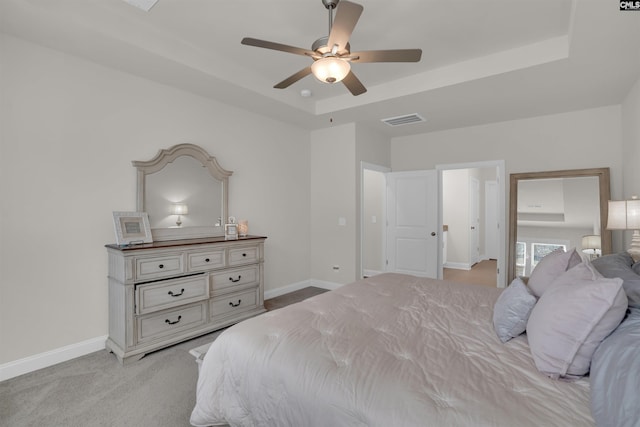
[165,292]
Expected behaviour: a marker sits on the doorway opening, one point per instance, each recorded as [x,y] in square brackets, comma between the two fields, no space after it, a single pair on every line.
[472,216]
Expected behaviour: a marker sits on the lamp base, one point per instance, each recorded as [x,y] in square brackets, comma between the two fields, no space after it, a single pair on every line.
[634,249]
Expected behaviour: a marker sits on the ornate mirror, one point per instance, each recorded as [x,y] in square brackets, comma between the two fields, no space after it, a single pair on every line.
[556,209]
[185,193]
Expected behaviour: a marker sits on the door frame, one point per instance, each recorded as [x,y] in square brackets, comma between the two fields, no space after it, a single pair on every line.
[501,214]
[474,208]
[377,168]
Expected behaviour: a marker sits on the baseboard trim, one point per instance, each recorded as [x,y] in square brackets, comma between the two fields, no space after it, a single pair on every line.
[457,265]
[325,285]
[49,358]
[53,357]
[272,293]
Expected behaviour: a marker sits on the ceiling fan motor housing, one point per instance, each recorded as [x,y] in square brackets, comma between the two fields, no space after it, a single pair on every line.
[321,47]
[330,4]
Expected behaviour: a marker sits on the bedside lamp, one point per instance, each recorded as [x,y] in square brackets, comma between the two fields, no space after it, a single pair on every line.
[625,215]
[179,209]
[592,245]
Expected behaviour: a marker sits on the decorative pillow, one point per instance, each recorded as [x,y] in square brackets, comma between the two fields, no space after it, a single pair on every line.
[621,265]
[615,375]
[574,315]
[512,309]
[549,268]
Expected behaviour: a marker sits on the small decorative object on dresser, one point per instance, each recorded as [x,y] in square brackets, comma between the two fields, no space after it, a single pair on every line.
[166,292]
[132,228]
[231,229]
[243,227]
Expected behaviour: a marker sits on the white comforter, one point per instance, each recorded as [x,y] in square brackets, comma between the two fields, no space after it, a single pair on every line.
[391,350]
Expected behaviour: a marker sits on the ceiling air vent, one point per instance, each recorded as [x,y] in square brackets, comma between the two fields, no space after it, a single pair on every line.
[404,120]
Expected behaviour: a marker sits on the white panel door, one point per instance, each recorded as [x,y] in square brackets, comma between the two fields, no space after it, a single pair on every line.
[412,215]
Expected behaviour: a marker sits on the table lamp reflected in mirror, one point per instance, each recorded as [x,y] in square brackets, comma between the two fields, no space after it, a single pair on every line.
[179,209]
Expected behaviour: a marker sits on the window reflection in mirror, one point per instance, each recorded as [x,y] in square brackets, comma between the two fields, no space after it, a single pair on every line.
[552,210]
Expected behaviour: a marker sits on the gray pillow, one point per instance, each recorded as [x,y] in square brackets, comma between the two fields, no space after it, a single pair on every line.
[615,375]
[620,265]
[512,309]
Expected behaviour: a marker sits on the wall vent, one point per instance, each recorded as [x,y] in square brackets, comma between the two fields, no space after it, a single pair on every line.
[404,120]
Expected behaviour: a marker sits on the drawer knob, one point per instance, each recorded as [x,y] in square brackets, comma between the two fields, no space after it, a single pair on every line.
[235,305]
[176,295]
[172,323]
[235,280]
[161,266]
[206,260]
[244,254]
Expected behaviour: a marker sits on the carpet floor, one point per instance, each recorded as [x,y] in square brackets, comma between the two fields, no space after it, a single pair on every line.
[96,390]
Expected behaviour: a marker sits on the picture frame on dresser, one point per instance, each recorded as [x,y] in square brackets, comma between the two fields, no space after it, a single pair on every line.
[132,228]
[231,231]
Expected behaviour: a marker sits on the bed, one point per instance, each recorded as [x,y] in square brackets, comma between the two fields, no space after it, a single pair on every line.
[391,350]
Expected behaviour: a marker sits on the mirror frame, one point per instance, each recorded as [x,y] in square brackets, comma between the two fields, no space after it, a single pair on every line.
[605,194]
[160,161]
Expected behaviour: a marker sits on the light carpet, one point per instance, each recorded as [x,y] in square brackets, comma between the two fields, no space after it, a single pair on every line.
[96,390]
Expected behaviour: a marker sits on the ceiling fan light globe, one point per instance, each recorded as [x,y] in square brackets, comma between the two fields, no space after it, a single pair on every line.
[330,69]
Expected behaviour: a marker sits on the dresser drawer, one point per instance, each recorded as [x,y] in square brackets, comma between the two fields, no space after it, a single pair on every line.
[157,267]
[234,277]
[229,305]
[200,261]
[244,255]
[157,296]
[170,322]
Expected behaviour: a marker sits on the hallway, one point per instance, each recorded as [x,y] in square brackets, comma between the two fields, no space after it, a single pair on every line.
[482,273]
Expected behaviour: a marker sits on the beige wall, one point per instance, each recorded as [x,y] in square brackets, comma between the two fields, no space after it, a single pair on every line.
[333,190]
[373,232]
[371,147]
[70,130]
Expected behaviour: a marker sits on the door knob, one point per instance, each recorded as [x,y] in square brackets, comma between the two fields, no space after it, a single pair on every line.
[433,233]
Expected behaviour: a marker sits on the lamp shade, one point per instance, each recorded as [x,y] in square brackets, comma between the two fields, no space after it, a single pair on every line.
[179,209]
[624,214]
[330,69]
[591,242]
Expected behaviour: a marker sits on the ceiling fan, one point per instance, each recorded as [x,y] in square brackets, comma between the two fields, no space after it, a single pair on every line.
[332,56]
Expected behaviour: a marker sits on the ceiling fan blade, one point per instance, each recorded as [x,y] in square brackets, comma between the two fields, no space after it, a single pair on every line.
[293,78]
[276,46]
[354,85]
[347,15]
[394,55]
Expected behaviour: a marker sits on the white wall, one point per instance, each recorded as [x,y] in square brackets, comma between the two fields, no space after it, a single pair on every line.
[69,132]
[631,149]
[574,140]
[455,215]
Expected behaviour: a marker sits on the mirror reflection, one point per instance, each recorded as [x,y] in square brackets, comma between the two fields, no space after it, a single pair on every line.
[552,210]
[185,193]
[185,189]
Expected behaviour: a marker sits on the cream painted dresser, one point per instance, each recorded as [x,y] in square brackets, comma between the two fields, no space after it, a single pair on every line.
[165,292]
